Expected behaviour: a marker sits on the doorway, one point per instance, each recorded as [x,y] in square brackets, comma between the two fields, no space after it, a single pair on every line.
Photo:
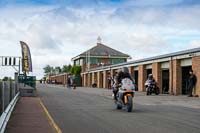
[136,79]
[185,77]
[165,81]
[149,71]
[101,81]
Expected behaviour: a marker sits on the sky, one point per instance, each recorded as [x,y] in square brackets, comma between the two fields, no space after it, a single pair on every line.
[57,30]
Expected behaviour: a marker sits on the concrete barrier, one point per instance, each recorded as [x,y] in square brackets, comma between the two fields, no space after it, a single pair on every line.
[9,94]
[7,113]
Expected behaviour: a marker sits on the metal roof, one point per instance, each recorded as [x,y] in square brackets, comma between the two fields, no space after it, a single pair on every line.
[194,50]
[103,50]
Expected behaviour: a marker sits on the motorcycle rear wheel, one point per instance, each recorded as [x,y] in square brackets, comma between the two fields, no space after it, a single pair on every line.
[148,92]
[157,91]
[118,105]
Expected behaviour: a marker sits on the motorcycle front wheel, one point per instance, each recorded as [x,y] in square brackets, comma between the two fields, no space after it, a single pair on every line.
[129,105]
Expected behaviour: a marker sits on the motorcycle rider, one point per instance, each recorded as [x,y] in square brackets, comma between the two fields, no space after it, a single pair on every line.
[123,73]
[150,80]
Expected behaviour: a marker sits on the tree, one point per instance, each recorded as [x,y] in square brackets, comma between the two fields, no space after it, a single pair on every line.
[58,69]
[66,68]
[7,78]
[47,69]
[76,70]
[69,67]
[72,70]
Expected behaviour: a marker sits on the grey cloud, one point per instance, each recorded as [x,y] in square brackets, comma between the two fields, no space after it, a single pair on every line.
[62,33]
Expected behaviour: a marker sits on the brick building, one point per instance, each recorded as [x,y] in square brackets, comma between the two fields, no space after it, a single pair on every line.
[58,79]
[171,71]
[99,56]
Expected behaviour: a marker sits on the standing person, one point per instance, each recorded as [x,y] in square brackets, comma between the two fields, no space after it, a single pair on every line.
[192,82]
[109,81]
[114,86]
[69,82]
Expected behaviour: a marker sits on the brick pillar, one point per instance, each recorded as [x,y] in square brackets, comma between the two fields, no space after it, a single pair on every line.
[171,91]
[111,74]
[66,79]
[63,80]
[142,73]
[156,71]
[95,77]
[196,70]
[84,80]
[105,85]
[176,77]
[131,71]
[99,79]
[90,79]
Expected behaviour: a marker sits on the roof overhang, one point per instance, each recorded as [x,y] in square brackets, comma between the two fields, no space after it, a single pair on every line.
[111,57]
[162,58]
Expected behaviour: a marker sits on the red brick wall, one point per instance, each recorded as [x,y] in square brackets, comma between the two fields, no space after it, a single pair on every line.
[99,80]
[156,71]
[83,79]
[142,77]
[90,82]
[170,78]
[131,70]
[105,74]
[59,79]
[176,77]
[93,78]
[196,69]
[111,73]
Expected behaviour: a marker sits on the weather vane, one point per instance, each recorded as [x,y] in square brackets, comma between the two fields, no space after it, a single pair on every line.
[99,40]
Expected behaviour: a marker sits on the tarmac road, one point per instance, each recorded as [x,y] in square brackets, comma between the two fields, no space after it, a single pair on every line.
[80,111]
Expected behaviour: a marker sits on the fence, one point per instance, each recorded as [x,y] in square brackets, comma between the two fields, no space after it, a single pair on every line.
[8,90]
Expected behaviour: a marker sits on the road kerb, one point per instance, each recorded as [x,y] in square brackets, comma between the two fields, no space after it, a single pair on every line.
[51,121]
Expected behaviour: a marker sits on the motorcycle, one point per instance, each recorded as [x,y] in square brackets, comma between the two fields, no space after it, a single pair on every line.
[124,97]
[151,87]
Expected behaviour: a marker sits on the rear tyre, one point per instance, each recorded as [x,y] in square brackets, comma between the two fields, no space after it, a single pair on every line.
[157,91]
[129,106]
[148,91]
[118,105]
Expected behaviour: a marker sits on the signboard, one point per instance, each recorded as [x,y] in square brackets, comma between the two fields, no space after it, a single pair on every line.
[26,58]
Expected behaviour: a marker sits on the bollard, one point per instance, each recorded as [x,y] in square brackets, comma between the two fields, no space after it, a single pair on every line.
[3,86]
[1,96]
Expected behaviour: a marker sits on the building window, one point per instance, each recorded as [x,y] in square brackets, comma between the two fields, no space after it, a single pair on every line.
[93,60]
[81,62]
[77,63]
[116,61]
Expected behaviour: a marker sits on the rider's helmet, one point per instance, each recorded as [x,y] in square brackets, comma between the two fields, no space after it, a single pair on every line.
[125,70]
[150,76]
